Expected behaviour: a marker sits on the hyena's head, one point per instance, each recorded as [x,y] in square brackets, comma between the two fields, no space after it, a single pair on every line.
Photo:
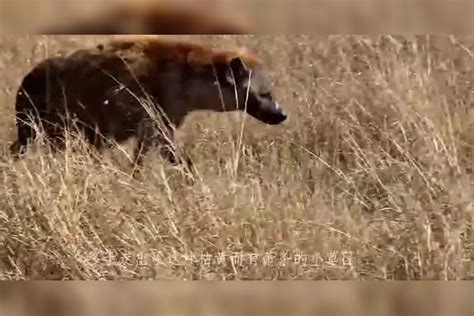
[249,89]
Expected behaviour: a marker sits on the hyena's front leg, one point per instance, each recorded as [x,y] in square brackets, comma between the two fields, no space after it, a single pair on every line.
[161,138]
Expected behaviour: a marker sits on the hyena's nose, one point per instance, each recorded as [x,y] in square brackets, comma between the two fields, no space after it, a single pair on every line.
[279,115]
[279,109]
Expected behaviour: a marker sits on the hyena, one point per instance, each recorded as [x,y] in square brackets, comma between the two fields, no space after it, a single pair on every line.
[106,92]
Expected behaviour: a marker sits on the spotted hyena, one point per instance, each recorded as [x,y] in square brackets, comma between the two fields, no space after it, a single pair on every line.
[107,91]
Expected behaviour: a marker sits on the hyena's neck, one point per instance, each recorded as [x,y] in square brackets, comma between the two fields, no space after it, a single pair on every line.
[182,89]
[203,92]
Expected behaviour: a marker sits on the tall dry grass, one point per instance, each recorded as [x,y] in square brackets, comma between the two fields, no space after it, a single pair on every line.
[370,178]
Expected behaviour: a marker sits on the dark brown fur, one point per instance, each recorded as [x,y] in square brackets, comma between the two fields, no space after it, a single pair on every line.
[103,91]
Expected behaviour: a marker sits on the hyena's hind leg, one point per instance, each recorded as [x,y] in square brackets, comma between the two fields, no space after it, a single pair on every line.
[30,105]
[25,134]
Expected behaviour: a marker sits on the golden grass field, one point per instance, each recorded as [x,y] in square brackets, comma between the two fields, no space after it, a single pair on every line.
[370,178]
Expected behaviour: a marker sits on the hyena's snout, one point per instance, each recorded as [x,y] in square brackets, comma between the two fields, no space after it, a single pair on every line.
[278,115]
[268,112]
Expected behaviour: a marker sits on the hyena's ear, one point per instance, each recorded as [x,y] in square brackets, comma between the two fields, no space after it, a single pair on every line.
[238,71]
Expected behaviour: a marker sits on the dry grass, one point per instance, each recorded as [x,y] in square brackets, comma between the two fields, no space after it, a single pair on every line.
[375,164]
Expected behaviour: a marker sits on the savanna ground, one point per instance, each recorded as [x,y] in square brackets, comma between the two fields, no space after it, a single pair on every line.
[370,178]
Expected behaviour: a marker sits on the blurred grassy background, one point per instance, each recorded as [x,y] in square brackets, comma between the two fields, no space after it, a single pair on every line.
[265,16]
[235,298]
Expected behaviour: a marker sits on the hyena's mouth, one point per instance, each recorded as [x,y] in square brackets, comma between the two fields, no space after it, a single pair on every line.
[274,119]
[272,116]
